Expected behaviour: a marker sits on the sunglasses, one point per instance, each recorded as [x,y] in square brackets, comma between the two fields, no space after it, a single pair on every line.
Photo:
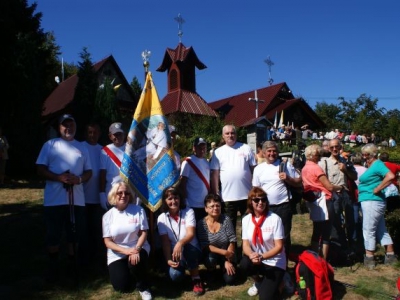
[334,147]
[256,200]
[123,193]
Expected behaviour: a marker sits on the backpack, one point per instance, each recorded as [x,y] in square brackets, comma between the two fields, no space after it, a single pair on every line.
[314,277]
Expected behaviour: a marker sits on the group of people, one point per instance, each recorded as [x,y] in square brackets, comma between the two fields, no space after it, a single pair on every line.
[198,217]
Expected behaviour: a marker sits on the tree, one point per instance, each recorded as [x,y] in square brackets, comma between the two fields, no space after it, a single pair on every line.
[28,56]
[85,93]
[329,114]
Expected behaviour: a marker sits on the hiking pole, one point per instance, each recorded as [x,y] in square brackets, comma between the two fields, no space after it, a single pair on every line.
[71,201]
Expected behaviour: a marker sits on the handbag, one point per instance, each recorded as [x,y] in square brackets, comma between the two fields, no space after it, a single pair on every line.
[391,191]
[318,209]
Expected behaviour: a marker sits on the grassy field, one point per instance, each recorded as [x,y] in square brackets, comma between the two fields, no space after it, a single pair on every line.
[23,263]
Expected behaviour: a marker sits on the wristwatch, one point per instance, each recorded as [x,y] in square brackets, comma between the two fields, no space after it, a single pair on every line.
[138,248]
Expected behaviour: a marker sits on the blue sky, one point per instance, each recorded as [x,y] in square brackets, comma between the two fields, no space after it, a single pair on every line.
[322,49]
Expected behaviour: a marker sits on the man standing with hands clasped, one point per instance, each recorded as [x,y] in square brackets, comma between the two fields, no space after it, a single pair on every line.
[65,164]
[233,165]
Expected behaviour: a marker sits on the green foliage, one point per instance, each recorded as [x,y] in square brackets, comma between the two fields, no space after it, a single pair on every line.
[393,225]
[85,93]
[29,62]
[136,87]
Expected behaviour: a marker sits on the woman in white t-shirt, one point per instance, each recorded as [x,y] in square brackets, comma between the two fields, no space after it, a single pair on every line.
[177,229]
[263,246]
[125,236]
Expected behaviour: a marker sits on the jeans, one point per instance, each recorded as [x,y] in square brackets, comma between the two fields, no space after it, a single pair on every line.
[374,228]
[190,261]
[212,260]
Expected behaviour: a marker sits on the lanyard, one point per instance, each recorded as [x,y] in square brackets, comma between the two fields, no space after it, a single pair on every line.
[179,226]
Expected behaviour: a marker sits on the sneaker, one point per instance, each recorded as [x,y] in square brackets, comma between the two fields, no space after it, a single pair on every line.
[198,288]
[146,295]
[253,290]
[390,259]
[369,262]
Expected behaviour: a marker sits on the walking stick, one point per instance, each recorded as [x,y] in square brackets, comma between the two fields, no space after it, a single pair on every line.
[71,201]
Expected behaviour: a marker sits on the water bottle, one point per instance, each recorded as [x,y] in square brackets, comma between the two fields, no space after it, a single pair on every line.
[302,291]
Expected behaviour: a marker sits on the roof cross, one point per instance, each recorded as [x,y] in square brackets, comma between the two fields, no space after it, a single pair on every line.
[180,21]
[256,100]
[270,63]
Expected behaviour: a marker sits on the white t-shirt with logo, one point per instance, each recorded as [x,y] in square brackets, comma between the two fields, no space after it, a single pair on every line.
[123,228]
[196,190]
[234,164]
[60,156]
[176,229]
[272,229]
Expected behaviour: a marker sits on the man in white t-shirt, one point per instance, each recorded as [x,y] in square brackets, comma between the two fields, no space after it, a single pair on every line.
[195,178]
[233,165]
[275,178]
[93,239]
[65,164]
[110,160]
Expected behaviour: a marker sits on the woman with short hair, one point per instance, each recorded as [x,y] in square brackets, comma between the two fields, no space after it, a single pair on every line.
[373,205]
[217,239]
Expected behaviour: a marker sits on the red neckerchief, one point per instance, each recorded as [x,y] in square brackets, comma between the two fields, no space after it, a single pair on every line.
[257,234]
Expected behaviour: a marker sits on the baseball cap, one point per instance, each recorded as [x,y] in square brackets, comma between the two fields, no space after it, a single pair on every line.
[65,117]
[199,141]
[171,128]
[115,128]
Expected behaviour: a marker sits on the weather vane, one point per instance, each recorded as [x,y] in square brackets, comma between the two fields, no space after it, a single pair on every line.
[180,21]
[270,63]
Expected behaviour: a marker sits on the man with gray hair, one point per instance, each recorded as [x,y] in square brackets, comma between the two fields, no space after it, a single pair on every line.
[233,165]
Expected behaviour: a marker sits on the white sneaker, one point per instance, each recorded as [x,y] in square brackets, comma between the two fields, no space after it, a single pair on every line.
[253,290]
[146,295]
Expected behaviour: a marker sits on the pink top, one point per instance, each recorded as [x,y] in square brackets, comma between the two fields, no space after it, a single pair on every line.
[310,175]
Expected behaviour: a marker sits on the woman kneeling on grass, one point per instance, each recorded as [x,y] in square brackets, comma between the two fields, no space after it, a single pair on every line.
[177,229]
[217,239]
[263,251]
[125,236]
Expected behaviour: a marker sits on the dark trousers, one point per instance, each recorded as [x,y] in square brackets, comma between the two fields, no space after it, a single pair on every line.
[233,207]
[284,211]
[271,277]
[342,204]
[120,273]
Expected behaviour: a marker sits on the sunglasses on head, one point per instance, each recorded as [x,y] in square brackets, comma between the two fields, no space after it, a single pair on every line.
[258,199]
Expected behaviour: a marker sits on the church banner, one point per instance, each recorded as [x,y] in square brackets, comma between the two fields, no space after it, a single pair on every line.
[149,162]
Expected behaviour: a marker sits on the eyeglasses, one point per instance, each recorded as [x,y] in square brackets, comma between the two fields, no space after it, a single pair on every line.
[123,193]
[256,200]
[335,146]
[364,154]
[216,206]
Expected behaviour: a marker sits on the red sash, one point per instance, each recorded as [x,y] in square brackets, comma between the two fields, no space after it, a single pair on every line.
[113,157]
[257,234]
[198,172]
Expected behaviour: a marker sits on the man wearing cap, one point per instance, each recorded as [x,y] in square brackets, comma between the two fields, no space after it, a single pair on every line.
[233,165]
[110,160]
[195,178]
[65,164]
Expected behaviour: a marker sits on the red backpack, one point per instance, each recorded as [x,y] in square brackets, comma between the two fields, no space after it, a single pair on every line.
[314,277]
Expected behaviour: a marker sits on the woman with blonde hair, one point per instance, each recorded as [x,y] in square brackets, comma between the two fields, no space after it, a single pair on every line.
[316,181]
[125,236]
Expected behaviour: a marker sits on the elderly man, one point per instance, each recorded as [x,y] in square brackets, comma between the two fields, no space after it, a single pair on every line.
[233,165]
[195,178]
[339,171]
[110,160]
[65,164]
[275,178]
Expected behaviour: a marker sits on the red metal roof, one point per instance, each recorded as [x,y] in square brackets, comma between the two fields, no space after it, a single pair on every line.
[239,110]
[187,102]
